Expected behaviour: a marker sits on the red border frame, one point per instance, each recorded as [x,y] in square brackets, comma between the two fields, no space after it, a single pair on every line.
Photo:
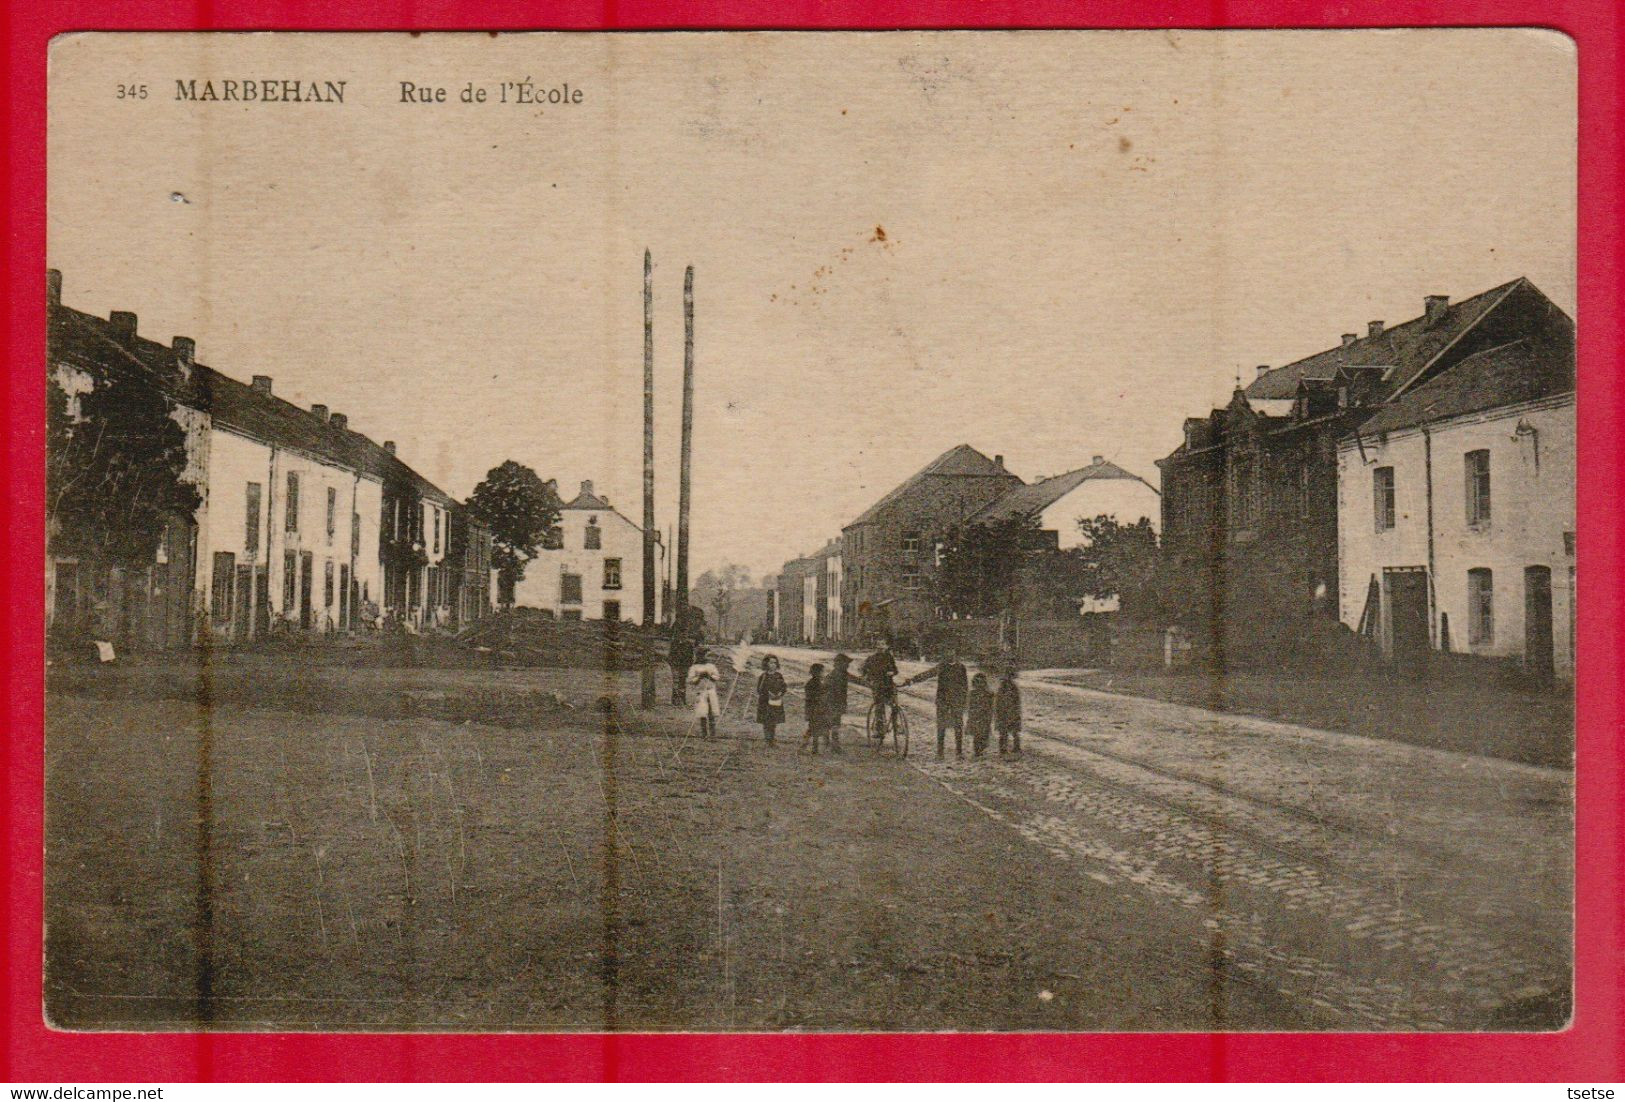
[1591,1049]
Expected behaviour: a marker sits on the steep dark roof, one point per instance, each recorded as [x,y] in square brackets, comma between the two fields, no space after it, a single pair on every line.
[1407,348]
[962,461]
[1034,498]
[92,341]
[1522,371]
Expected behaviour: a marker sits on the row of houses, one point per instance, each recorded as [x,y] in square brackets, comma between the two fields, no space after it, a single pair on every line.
[1414,482]
[304,524]
[874,579]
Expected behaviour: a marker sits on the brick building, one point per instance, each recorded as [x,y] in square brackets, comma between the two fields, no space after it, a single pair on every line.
[1250,498]
[888,551]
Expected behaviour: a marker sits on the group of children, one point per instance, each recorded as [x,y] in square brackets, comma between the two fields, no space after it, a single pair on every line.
[965,705]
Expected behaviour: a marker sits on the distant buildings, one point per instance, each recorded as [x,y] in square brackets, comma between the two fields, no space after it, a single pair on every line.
[594,570]
[305,525]
[875,579]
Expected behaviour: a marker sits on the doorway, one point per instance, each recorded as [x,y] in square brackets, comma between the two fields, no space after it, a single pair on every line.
[1538,657]
[1409,637]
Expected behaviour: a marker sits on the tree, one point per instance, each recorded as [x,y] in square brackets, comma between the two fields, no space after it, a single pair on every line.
[522,511]
[978,565]
[1117,560]
[720,588]
[115,470]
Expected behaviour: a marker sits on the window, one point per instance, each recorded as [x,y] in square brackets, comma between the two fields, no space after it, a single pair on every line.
[1480,608]
[913,579]
[612,611]
[570,614]
[911,542]
[327,582]
[332,512]
[570,589]
[595,535]
[355,533]
[612,574]
[1243,492]
[290,577]
[292,522]
[251,529]
[1382,497]
[225,570]
[1478,487]
[437,516]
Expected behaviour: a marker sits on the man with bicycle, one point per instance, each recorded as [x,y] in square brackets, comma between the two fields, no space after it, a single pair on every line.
[878,674]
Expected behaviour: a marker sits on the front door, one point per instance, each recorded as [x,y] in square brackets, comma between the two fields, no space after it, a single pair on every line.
[245,604]
[1537,621]
[262,601]
[1409,638]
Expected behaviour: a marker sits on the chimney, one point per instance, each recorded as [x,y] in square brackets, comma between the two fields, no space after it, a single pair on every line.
[586,486]
[1435,305]
[339,421]
[319,410]
[1262,370]
[53,287]
[1373,328]
[389,446]
[262,383]
[998,460]
[123,323]
[185,353]
[1099,459]
[1350,338]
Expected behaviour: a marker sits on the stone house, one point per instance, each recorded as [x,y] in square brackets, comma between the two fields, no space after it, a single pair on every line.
[1457,516]
[594,569]
[887,553]
[1250,498]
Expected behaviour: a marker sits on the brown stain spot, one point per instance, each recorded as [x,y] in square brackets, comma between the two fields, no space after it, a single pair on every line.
[1124,145]
[880,234]
[843,110]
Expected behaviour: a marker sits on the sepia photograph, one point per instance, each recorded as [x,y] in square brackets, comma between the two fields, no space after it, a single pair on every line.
[817,532]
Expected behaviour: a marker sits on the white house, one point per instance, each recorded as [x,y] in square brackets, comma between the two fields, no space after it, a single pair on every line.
[1456,512]
[596,570]
[301,519]
[1100,489]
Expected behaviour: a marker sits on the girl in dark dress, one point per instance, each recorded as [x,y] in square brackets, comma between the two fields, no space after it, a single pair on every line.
[770,690]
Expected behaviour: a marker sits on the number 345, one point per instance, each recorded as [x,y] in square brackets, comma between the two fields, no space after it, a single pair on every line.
[132,91]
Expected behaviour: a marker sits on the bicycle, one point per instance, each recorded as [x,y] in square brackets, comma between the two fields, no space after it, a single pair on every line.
[875,726]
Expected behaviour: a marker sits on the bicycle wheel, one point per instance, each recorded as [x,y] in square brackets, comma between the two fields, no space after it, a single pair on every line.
[874,725]
[899,732]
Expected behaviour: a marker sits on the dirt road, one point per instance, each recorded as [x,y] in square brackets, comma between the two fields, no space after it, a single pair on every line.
[1377,885]
[250,868]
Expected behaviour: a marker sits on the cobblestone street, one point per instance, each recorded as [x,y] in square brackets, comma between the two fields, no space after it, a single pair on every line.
[1373,885]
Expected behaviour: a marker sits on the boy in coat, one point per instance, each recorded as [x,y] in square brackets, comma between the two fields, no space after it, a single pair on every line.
[1007,713]
[816,705]
[953,682]
[979,714]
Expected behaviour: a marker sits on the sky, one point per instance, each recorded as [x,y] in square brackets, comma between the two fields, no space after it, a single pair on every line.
[1048,245]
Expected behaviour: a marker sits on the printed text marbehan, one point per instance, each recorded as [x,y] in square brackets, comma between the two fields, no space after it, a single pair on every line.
[267,90]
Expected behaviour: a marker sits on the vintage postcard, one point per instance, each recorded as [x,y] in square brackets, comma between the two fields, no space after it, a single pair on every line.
[758,532]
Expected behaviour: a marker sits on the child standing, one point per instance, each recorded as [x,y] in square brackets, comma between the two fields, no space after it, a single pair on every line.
[815,707]
[979,714]
[770,690]
[703,677]
[1007,713]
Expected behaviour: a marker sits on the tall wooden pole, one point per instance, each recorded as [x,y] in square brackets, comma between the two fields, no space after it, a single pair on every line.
[686,476]
[648,478]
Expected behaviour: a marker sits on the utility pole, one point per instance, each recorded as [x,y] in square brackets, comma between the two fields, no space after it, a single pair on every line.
[686,475]
[648,481]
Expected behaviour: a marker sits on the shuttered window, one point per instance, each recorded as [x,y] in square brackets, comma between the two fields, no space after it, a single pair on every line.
[1382,497]
[1480,607]
[1478,487]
